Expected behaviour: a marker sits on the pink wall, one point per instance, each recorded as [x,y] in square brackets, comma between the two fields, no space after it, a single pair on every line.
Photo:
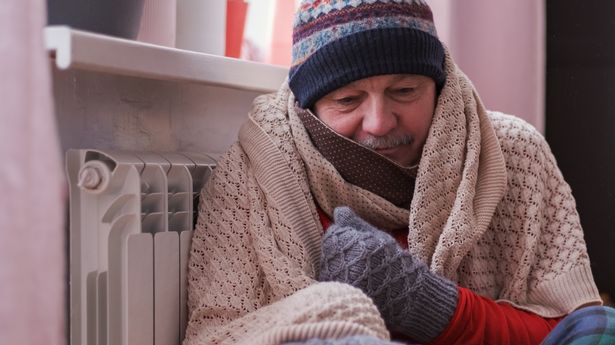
[500,45]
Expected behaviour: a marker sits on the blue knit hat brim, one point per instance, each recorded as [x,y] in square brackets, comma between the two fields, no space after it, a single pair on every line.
[366,54]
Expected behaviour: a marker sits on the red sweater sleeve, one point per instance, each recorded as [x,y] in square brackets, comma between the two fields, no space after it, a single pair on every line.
[479,320]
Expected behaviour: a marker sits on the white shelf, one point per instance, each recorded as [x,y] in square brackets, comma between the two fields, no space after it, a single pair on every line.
[84,50]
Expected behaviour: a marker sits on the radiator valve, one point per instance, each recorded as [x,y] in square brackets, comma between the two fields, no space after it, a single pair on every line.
[94,176]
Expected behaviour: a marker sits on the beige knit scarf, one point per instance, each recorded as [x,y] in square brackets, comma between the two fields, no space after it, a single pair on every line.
[453,199]
[255,253]
[461,190]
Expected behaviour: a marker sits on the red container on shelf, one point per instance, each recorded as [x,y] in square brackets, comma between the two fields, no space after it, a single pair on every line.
[236,11]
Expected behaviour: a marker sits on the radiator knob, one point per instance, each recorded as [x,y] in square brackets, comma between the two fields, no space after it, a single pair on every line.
[94,176]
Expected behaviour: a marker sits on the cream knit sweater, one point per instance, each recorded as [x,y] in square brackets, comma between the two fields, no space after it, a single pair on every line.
[490,211]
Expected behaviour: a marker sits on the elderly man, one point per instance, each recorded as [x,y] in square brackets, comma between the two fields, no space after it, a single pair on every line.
[374,195]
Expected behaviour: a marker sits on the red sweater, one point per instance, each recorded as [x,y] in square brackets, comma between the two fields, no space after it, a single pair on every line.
[480,320]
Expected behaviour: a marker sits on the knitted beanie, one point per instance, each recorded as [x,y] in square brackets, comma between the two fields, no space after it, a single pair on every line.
[336,42]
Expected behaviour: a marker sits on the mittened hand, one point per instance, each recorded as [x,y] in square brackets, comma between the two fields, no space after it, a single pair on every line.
[357,253]
[412,300]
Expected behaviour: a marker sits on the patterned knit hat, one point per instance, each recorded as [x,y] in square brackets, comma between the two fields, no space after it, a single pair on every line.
[336,42]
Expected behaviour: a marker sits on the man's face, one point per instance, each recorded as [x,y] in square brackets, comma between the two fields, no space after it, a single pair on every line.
[389,113]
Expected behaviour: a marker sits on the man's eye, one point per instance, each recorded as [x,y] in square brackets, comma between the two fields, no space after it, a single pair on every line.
[404,90]
[346,100]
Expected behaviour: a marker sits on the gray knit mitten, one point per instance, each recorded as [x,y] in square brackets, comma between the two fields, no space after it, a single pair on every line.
[352,340]
[412,300]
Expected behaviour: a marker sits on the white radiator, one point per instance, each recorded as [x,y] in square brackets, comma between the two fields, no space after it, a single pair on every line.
[131,220]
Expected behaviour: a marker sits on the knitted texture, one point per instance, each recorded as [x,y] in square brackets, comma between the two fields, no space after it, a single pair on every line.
[412,300]
[253,284]
[339,41]
[355,340]
[256,247]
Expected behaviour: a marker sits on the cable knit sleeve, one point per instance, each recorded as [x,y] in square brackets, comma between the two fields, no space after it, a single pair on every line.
[249,286]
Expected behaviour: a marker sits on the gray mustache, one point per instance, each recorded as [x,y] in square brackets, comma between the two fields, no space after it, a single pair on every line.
[385,142]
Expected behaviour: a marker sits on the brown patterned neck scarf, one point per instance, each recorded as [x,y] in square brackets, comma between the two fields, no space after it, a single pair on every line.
[360,165]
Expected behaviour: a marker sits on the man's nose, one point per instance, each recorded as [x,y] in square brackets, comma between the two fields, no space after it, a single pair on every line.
[379,118]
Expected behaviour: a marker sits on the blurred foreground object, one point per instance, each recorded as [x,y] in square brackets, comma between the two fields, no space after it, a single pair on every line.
[31,221]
